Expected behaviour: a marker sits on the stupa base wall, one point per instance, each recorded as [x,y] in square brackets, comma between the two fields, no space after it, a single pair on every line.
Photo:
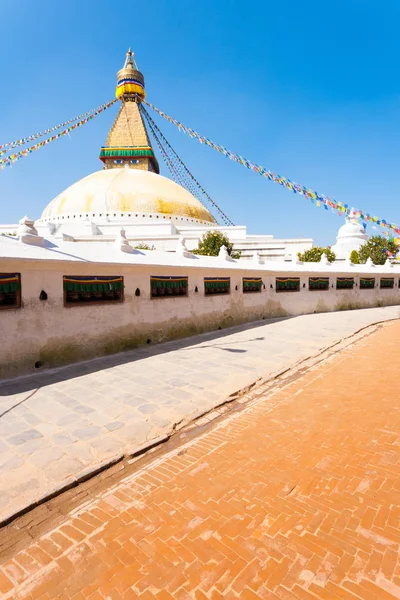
[48,333]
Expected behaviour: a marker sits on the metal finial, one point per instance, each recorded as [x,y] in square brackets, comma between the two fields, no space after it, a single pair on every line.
[130,60]
[130,82]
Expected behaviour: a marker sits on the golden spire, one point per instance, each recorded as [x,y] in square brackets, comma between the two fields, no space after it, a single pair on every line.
[128,143]
[129,79]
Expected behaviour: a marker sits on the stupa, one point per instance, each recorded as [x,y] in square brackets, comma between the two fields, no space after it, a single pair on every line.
[129,186]
[351,236]
[129,193]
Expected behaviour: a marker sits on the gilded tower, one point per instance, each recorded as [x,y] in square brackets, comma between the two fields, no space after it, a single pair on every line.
[128,143]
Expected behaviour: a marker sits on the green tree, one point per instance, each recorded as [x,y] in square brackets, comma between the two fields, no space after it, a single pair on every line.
[143,246]
[211,243]
[355,259]
[314,254]
[376,248]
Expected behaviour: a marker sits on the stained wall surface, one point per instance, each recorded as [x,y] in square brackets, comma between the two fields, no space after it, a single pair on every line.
[50,333]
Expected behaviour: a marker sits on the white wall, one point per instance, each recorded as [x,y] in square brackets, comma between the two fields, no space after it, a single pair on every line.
[164,233]
[53,334]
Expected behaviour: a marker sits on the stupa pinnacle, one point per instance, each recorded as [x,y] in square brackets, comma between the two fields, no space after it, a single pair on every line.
[128,143]
[130,81]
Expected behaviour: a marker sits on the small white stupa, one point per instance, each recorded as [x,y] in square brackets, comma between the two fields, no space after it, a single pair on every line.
[351,236]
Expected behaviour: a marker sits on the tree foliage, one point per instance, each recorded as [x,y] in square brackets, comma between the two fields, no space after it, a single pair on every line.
[376,248]
[211,243]
[314,254]
[143,246]
[355,259]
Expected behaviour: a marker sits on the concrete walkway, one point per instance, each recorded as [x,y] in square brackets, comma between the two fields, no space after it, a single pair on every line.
[296,497]
[57,424]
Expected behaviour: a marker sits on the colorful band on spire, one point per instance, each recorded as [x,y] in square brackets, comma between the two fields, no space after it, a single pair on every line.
[129,86]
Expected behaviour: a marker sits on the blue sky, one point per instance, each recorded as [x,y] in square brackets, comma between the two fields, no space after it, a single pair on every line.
[308,89]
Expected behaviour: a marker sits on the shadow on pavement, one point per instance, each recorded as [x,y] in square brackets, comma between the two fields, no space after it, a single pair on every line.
[28,383]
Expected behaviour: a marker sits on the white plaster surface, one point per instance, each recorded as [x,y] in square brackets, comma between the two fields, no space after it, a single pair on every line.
[56,424]
[351,236]
[161,232]
[53,334]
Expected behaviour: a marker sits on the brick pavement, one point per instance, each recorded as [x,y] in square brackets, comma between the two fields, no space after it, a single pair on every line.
[297,497]
[57,424]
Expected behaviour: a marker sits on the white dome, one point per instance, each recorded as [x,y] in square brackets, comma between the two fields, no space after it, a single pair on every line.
[110,191]
[351,229]
[350,237]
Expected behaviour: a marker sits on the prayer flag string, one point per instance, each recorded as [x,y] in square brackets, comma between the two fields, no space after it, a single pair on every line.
[12,158]
[313,196]
[4,148]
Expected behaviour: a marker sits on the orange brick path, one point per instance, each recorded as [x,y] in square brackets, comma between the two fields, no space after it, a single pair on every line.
[296,498]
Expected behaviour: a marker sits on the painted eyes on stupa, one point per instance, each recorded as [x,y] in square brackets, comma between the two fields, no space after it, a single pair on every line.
[120,161]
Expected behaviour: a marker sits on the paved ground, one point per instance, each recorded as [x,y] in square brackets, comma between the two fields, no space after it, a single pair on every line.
[55,425]
[295,498]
